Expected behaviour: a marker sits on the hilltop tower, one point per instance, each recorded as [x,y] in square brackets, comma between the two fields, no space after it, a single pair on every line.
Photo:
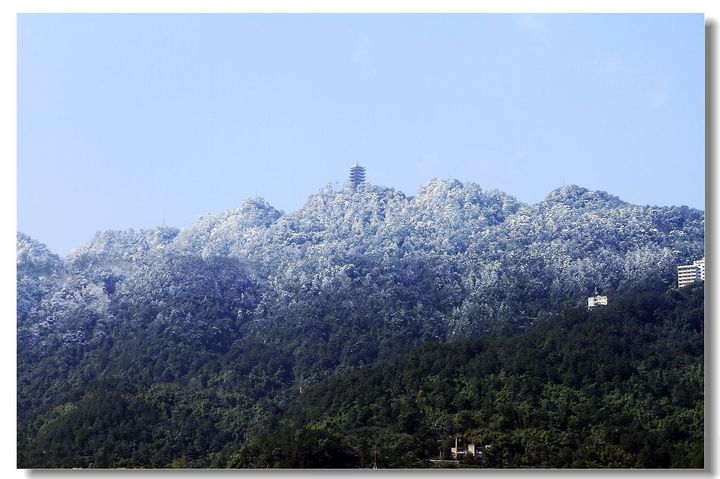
[357,175]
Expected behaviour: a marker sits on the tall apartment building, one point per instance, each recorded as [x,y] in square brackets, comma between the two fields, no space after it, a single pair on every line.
[689,273]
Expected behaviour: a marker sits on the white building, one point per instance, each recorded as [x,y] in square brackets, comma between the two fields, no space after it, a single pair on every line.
[596,300]
[689,273]
[470,449]
[701,267]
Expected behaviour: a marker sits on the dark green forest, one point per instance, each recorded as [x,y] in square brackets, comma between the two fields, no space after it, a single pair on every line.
[620,386]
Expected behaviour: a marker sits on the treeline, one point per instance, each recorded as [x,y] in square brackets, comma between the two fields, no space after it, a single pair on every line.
[617,387]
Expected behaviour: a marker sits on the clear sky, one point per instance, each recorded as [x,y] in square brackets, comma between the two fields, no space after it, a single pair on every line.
[124,120]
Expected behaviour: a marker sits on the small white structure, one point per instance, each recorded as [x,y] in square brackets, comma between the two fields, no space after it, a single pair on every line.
[467,449]
[689,273]
[460,449]
[596,300]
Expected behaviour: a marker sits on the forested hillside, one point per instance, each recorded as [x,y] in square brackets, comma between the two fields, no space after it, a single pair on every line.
[175,346]
[618,387]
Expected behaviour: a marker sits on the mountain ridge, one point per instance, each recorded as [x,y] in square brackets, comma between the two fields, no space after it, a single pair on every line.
[257,212]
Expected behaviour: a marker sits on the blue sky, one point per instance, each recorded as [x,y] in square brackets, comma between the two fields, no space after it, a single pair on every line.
[124,120]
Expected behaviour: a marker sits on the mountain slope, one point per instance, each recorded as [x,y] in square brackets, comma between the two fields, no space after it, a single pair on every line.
[353,278]
[619,387]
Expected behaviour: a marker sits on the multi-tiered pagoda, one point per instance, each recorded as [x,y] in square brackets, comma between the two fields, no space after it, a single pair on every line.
[357,175]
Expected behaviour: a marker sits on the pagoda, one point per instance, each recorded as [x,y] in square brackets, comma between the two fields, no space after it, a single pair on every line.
[357,175]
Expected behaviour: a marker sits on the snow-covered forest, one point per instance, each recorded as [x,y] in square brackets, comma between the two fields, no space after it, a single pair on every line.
[253,304]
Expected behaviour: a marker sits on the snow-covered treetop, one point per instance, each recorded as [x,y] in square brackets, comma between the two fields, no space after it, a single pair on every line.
[31,254]
[453,252]
[444,215]
[578,197]
[128,245]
